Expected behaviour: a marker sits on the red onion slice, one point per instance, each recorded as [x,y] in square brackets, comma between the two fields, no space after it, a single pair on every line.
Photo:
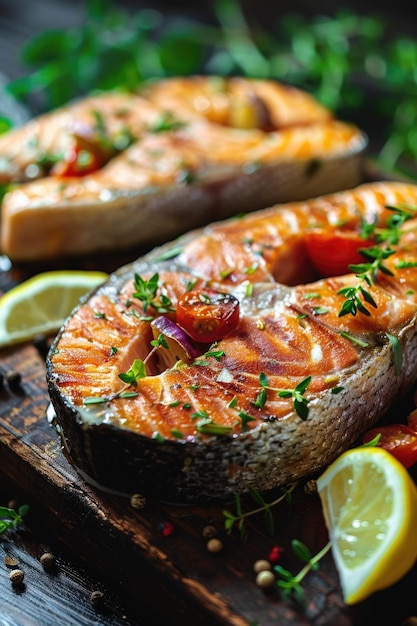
[180,346]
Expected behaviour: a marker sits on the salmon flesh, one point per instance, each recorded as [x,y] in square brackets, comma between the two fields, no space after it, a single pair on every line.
[273,401]
[118,171]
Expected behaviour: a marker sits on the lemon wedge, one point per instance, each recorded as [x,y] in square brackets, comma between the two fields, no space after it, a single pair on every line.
[41,304]
[369,503]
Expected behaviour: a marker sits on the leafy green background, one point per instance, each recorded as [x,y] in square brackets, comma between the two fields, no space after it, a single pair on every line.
[352,62]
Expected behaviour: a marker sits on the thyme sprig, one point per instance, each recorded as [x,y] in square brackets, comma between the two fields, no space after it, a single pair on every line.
[391,234]
[150,294]
[10,519]
[358,296]
[237,519]
[300,401]
[290,584]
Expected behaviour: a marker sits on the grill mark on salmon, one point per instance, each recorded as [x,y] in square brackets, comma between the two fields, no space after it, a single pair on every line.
[286,333]
[170,158]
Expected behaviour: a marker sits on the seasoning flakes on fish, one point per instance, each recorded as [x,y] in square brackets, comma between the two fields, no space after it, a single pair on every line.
[310,362]
[119,171]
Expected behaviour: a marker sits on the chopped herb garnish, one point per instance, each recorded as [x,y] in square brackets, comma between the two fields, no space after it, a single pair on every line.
[135,373]
[217,354]
[405,264]
[160,342]
[398,352]
[245,418]
[232,403]
[353,339]
[147,293]
[300,402]
[211,428]
[95,400]
[166,123]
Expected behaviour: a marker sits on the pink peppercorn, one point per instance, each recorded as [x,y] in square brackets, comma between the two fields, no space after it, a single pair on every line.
[275,554]
[166,528]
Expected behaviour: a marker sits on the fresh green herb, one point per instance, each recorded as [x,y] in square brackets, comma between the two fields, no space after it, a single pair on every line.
[136,371]
[291,585]
[11,519]
[405,264]
[166,122]
[372,443]
[249,290]
[261,398]
[238,518]
[160,342]
[398,352]
[245,418]
[226,272]
[353,339]
[300,402]
[211,428]
[312,294]
[391,234]
[233,402]
[95,400]
[328,54]
[127,394]
[367,273]
[217,354]
[147,292]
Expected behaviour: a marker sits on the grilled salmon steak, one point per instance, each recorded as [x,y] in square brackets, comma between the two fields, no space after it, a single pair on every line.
[224,360]
[117,171]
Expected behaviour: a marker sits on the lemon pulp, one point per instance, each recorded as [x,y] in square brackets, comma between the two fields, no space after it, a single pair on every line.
[42,303]
[369,503]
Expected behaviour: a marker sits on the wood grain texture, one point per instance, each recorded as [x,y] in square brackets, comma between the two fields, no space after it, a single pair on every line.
[163,576]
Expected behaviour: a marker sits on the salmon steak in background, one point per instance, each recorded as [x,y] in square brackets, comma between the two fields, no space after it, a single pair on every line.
[116,171]
[228,359]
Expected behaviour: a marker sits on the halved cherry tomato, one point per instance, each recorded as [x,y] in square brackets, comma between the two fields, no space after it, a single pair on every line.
[398,439]
[84,155]
[331,252]
[207,315]
[76,163]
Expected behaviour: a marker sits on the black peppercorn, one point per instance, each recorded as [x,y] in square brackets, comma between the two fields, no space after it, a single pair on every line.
[14,378]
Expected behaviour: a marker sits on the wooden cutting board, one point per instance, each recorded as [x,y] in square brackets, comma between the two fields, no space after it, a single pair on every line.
[175,575]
